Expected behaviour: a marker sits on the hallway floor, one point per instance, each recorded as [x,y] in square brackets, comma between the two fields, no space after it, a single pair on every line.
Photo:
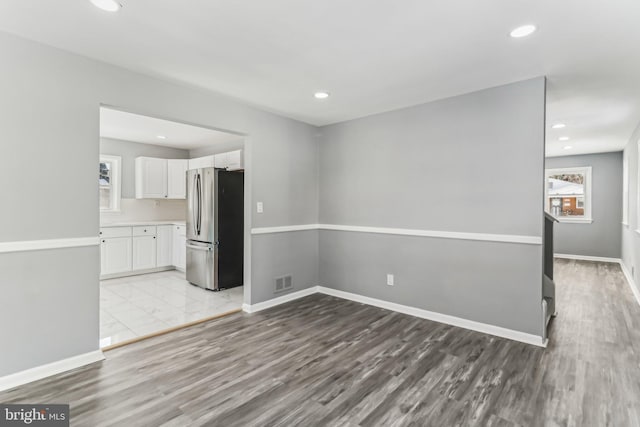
[321,361]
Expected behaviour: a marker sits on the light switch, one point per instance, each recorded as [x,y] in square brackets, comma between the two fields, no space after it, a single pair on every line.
[260,207]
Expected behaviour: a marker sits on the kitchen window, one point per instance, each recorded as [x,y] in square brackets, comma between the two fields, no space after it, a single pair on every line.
[568,194]
[109,183]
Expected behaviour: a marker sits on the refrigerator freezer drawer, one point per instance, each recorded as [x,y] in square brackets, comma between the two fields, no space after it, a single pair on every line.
[201,265]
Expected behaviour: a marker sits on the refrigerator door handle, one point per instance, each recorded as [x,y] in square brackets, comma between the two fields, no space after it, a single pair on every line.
[194,210]
[199,204]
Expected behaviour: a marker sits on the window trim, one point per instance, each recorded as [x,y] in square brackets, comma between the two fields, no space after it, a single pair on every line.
[116,182]
[587,218]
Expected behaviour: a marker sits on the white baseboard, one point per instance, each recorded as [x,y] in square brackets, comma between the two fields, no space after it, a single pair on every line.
[279,300]
[439,317]
[412,311]
[632,283]
[138,272]
[40,372]
[587,258]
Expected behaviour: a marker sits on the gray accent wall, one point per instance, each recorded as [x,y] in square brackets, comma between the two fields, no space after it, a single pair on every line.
[49,306]
[489,282]
[288,250]
[603,237]
[129,150]
[49,148]
[449,165]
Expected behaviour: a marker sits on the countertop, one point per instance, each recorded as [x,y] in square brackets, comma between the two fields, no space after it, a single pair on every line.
[136,223]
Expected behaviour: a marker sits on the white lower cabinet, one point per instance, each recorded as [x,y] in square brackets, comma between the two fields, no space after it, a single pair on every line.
[115,255]
[144,252]
[135,249]
[179,247]
[164,246]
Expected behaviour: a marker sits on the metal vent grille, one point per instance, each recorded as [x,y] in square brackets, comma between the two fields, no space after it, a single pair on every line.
[283,283]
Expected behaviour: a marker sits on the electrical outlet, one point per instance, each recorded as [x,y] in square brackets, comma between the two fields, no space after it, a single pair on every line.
[259,207]
[390,279]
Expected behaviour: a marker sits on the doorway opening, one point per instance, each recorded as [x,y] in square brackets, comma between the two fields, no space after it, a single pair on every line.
[172,225]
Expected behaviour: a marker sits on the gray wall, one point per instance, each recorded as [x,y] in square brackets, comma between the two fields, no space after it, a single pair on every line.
[129,150]
[448,165]
[602,238]
[49,138]
[631,238]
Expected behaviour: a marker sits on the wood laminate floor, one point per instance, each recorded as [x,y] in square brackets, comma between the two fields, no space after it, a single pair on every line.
[325,361]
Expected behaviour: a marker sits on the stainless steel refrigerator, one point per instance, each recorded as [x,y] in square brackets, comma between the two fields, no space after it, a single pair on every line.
[215,228]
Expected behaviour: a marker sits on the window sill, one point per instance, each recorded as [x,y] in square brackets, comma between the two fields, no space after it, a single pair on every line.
[115,211]
[575,220]
[626,224]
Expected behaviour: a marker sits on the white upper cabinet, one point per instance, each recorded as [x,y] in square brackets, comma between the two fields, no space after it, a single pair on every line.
[177,178]
[230,161]
[151,178]
[220,160]
[201,162]
[161,178]
[233,160]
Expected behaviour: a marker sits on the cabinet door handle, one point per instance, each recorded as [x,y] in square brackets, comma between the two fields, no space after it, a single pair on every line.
[154,237]
[103,241]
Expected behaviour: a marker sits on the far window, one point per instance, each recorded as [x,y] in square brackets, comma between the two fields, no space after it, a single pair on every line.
[109,183]
[568,194]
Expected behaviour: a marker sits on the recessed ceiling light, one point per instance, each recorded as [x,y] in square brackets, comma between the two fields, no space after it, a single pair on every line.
[558,126]
[108,5]
[563,138]
[567,147]
[321,95]
[162,137]
[523,31]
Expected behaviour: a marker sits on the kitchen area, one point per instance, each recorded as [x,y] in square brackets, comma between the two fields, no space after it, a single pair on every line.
[171,225]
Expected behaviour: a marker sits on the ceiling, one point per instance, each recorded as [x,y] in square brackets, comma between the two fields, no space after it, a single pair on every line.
[372,56]
[134,127]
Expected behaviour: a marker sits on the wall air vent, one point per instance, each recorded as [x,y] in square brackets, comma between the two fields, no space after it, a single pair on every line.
[283,283]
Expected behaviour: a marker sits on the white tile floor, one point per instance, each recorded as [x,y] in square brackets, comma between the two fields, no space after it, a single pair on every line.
[139,305]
